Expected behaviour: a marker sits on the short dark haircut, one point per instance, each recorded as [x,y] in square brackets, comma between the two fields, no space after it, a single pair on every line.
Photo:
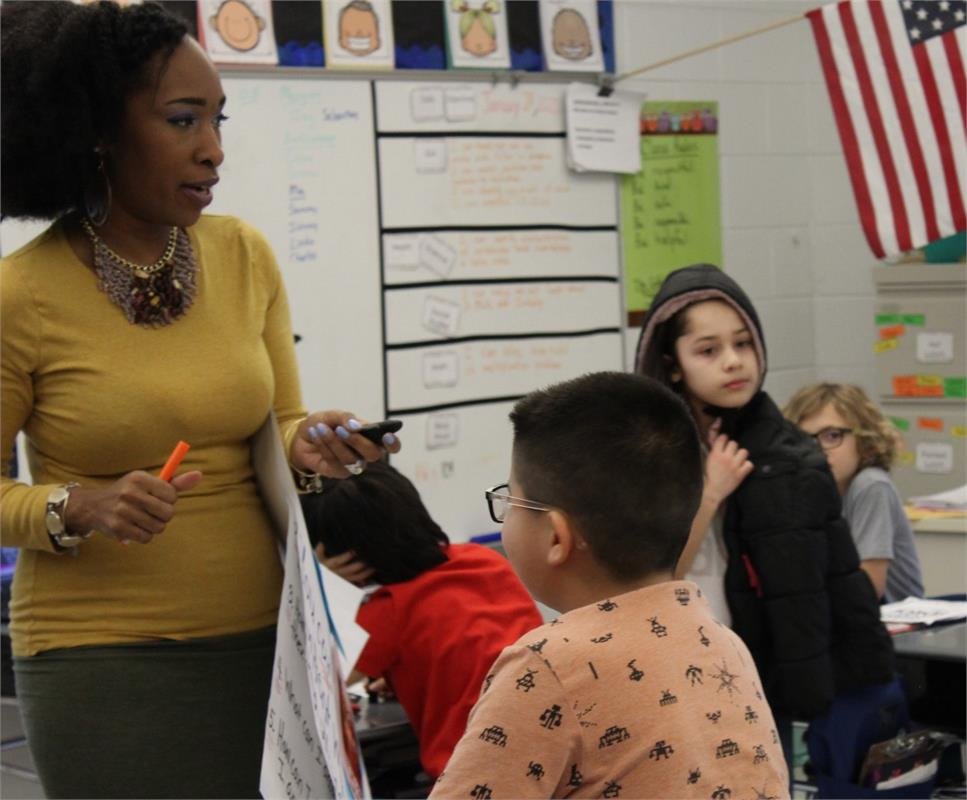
[66,74]
[380,516]
[619,454]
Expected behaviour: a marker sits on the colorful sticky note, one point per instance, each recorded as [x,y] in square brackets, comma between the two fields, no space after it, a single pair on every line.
[905,385]
[885,345]
[930,423]
[913,319]
[900,423]
[955,386]
[887,319]
[892,332]
[906,458]
[929,380]
[958,431]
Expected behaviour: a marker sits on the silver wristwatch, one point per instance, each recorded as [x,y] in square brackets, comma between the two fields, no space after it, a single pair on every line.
[54,518]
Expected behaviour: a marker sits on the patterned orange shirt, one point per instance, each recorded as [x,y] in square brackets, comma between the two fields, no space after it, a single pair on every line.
[640,695]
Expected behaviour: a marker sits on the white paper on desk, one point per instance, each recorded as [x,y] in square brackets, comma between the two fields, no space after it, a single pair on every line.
[918,610]
[955,499]
[602,132]
[310,747]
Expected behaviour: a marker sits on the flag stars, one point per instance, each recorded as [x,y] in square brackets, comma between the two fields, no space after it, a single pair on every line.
[907,4]
[959,15]
[914,33]
[921,13]
[937,24]
[944,5]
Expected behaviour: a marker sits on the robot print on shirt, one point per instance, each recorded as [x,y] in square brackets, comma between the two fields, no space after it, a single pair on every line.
[481,792]
[494,735]
[683,596]
[667,698]
[611,789]
[657,628]
[694,775]
[576,778]
[614,735]
[721,793]
[694,674]
[636,674]
[661,750]
[526,681]
[760,754]
[702,638]
[602,639]
[607,605]
[535,770]
[750,715]
[551,718]
[727,749]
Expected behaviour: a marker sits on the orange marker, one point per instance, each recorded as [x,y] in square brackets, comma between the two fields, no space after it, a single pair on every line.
[168,470]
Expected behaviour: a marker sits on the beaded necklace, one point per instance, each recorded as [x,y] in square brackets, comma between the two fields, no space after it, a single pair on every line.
[150,295]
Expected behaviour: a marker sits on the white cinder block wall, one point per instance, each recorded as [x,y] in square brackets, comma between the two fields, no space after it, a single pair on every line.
[790,231]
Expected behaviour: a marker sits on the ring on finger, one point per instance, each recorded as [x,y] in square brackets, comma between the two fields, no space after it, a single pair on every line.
[357,467]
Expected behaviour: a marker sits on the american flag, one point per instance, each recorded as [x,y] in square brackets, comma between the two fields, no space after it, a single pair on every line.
[895,74]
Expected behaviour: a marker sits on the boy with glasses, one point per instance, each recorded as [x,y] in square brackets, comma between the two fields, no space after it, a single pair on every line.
[635,690]
[861,446]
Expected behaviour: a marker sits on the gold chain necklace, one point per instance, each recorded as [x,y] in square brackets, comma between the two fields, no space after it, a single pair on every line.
[141,270]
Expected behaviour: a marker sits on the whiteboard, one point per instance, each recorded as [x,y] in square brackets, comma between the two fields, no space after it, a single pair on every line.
[299,166]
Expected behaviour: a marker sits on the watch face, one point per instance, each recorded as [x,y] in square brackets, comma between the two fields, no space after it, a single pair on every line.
[54,523]
[57,496]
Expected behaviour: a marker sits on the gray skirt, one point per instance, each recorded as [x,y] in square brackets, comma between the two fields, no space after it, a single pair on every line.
[153,719]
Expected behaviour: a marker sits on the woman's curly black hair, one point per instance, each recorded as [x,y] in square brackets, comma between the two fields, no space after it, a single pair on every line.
[66,73]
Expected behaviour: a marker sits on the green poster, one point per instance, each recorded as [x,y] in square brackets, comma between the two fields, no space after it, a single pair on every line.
[670,210]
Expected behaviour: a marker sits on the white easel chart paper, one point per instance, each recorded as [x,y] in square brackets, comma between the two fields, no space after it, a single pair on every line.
[602,132]
[310,747]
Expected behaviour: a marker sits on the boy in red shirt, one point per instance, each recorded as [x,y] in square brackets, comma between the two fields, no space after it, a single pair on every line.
[442,613]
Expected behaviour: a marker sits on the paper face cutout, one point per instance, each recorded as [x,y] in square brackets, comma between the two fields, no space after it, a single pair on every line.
[477,34]
[358,34]
[237,31]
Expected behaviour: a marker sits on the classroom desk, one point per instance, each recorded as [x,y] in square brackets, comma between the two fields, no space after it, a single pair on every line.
[933,663]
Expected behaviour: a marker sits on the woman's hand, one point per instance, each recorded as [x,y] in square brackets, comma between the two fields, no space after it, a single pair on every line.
[326,444]
[345,565]
[726,466]
[135,508]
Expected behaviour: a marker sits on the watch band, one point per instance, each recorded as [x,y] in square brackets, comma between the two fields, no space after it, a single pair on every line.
[55,521]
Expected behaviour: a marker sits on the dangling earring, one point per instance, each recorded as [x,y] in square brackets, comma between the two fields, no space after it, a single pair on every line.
[97,198]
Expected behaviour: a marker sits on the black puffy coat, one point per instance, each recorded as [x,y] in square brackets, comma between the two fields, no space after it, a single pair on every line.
[798,598]
[797,595]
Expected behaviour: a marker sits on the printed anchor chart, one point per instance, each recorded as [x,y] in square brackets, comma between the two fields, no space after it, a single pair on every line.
[499,275]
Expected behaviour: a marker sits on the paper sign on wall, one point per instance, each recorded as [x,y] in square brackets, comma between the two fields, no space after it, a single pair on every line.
[670,210]
[477,33]
[935,458]
[935,348]
[602,132]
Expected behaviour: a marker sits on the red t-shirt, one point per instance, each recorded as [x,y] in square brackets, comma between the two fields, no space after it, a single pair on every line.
[435,637]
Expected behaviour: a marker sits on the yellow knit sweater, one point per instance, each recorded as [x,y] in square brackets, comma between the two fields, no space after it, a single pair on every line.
[98,397]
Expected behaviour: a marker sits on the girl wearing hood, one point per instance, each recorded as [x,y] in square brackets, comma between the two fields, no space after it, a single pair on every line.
[773,551]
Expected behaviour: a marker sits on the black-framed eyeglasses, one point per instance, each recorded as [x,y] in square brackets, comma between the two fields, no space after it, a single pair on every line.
[831,438]
[498,501]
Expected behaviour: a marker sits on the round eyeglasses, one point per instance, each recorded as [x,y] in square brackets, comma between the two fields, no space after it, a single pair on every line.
[831,438]
[498,502]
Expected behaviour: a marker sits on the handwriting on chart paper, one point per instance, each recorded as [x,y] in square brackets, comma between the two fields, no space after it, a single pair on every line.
[669,165]
[468,104]
[444,369]
[490,173]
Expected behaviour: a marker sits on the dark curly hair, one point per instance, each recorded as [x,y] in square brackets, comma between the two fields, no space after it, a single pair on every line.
[66,73]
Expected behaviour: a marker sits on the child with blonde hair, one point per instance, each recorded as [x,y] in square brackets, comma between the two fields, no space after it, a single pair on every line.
[861,446]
